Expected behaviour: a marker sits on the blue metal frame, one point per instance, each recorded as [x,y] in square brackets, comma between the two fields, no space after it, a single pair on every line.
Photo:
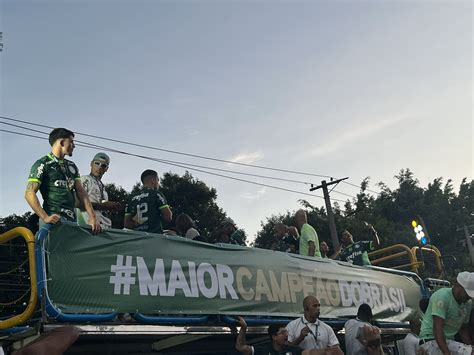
[50,309]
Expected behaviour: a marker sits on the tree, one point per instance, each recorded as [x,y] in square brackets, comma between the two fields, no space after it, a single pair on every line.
[186,194]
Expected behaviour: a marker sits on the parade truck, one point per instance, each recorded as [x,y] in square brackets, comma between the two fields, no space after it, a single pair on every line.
[137,292]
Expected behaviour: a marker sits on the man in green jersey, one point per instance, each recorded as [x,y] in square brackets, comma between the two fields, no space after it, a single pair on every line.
[59,182]
[447,314]
[309,241]
[147,208]
[357,253]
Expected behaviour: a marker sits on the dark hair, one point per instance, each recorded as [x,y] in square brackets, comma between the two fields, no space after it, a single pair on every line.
[148,173]
[59,133]
[183,223]
[364,312]
[274,328]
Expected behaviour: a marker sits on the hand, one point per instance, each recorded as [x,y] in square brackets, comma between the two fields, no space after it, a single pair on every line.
[242,322]
[111,206]
[137,220]
[304,332]
[53,219]
[96,228]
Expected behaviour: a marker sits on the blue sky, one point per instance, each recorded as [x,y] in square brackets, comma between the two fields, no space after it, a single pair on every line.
[340,88]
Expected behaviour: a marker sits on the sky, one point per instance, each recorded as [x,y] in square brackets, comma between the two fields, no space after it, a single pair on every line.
[338,88]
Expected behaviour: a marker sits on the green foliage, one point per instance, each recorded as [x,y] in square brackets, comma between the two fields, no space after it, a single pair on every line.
[391,212]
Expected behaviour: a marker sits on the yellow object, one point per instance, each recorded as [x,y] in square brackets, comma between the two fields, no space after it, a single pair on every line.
[414,223]
[30,243]
[402,249]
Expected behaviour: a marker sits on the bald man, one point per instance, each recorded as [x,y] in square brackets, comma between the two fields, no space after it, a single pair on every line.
[308,332]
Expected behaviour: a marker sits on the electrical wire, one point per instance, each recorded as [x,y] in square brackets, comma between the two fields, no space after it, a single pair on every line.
[185,154]
[184,166]
[189,165]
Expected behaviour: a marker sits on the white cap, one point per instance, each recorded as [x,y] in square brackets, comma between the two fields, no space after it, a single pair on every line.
[466,280]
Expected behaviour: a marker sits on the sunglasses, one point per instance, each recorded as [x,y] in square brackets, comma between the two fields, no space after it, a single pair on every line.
[102,165]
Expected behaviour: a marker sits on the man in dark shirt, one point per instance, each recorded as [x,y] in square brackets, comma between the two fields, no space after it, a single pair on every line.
[357,253]
[285,241]
[278,335]
[147,208]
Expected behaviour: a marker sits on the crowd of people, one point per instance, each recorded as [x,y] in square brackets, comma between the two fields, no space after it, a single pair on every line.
[84,199]
[69,196]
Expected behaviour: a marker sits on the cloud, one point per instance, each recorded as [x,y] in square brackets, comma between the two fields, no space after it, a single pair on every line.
[247,158]
[255,195]
[354,134]
[194,133]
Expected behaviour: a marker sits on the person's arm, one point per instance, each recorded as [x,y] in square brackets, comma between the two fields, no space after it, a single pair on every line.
[375,236]
[32,199]
[304,332]
[465,335]
[336,253]
[128,222]
[240,344]
[84,199]
[311,248]
[438,326]
[166,214]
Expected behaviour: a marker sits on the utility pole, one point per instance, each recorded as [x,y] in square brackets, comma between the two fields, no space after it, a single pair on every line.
[332,224]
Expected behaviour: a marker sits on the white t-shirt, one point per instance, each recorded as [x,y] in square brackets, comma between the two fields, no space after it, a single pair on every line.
[321,335]
[411,343]
[97,194]
[192,233]
[351,337]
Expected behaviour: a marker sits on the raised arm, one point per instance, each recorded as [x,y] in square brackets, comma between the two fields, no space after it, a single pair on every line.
[240,344]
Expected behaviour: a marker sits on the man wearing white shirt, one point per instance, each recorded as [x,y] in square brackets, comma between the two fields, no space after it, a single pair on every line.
[411,343]
[354,337]
[308,332]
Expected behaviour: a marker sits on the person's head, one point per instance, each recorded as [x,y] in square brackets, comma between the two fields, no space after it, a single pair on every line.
[278,334]
[300,218]
[183,223]
[228,226]
[150,179]
[364,313]
[62,141]
[324,248]
[100,164]
[311,308]
[415,326]
[280,230]
[463,289]
[346,238]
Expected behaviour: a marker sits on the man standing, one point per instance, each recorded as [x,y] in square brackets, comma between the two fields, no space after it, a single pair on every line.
[309,241]
[95,188]
[355,339]
[59,182]
[356,253]
[147,208]
[285,241]
[229,233]
[308,332]
[447,314]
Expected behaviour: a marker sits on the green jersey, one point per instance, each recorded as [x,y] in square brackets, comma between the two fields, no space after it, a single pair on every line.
[308,234]
[145,207]
[356,253]
[56,179]
[444,305]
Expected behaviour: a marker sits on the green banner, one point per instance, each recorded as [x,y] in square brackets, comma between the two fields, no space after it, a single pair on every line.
[127,271]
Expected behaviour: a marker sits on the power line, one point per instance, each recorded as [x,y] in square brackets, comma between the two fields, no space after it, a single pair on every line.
[95,146]
[189,165]
[173,151]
